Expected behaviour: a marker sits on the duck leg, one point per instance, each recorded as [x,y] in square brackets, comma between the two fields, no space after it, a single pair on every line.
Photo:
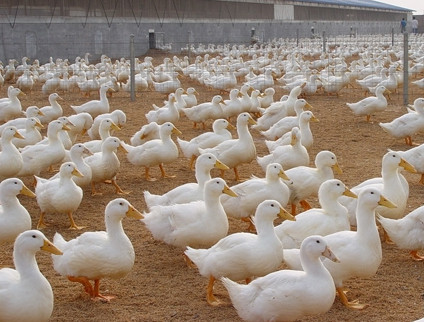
[422,179]
[41,223]
[73,225]
[97,295]
[192,160]
[251,227]
[118,189]
[147,175]
[415,256]
[93,189]
[162,171]
[305,205]
[212,300]
[351,305]
[236,174]
[84,281]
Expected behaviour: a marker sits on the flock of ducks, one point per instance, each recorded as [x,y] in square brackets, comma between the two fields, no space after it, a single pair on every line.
[317,245]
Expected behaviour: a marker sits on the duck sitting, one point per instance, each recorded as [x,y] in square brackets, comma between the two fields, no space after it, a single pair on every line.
[155,152]
[9,154]
[59,194]
[276,296]
[348,244]
[95,107]
[370,105]
[242,256]
[199,223]
[25,294]
[206,140]
[99,254]
[11,107]
[14,218]
[31,134]
[189,191]
[236,151]
[330,218]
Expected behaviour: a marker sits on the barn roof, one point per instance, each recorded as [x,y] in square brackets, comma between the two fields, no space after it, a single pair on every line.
[358,3]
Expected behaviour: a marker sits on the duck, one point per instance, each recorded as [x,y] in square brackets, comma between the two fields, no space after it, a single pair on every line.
[82,122]
[167,86]
[53,111]
[289,156]
[9,154]
[224,82]
[359,252]
[275,296]
[331,217]
[14,218]
[26,81]
[199,223]
[242,256]
[11,107]
[105,164]
[267,98]
[306,139]
[117,116]
[59,194]
[105,129]
[206,140]
[407,124]
[255,190]
[190,97]
[25,294]
[95,255]
[190,191]
[414,156]
[370,105]
[76,154]
[262,81]
[52,84]
[167,113]
[285,124]
[305,180]
[391,183]
[155,152]
[146,133]
[233,106]
[31,134]
[20,122]
[406,232]
[39,157]
[237,151]
[95,107]
[205,111]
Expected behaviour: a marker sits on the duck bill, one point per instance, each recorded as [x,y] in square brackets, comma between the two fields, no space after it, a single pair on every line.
[308,105]
[293,139]
[18,135]
[337,169]
[407,166]
[330,255]
[134,213]
[77,173]
[38,124]
[176,131]
[50,248]
[219,165]
[115,127]
[252,121]
[386,202]
[230,126]
[122,148]
[25,191]
[283,175]
[285,215]
[66,128]
[349,193]
[229,192]
[313,119]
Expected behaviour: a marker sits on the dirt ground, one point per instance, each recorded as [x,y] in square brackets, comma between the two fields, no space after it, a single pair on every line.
[160,286]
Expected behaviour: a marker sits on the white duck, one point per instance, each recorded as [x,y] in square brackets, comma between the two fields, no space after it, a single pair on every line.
[233,106]
[31,134]
[307,180]
[9,154]
[370,105]
[107,126]
[11,107]
[330,218]
[415,157]
[155,152]
[53,111]
[82,122]
[117,116]
[205,111]
[190,97]
[252,192]
[242,256]
[20,122]
[146,133]
[95,107]
[206,140]
[191,191]
[359,252]
[39,157]
[391,183]
[167,113]
[275,297]
[267,98]
[407,124]
[236,151]
[25,294]
[105,164]
[59,194]
[197,224]
[14,218]
[99,254]
[306,139]
[262,81]
[289,156]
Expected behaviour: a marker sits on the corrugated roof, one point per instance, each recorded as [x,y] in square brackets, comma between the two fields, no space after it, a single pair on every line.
[358,3]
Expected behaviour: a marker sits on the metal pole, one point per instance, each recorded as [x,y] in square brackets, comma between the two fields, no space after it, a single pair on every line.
[324,42]
[297,37]
[132,67]
[393,36]
[405,68]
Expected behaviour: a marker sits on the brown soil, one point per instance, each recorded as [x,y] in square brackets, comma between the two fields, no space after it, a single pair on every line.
[161,287]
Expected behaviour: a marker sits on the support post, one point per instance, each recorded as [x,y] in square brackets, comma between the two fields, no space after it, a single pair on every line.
[132,68]
[405,68]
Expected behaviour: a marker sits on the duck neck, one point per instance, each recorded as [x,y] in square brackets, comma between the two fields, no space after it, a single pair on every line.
[9,202]
[366,226]
[114,226]
[202,175]
[25,263]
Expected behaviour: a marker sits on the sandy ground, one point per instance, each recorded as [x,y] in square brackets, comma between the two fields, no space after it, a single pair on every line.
[160,286]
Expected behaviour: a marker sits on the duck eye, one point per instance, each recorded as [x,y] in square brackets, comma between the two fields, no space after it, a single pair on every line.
[33,236]
[318,242]
[121,203]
